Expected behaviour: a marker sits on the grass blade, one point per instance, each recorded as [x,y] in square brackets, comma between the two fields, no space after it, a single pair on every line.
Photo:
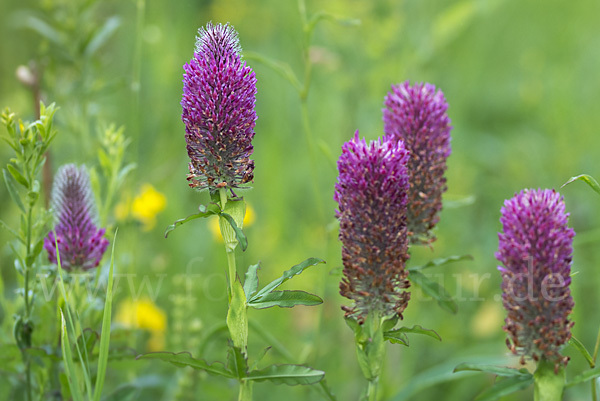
[105,335]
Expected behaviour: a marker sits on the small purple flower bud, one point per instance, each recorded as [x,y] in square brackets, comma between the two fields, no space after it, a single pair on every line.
[536,248]
[372,193]
[417,115]
[219,92]
[80,243]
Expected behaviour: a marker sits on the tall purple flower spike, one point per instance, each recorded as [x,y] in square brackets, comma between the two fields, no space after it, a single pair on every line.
[372,193]
[80,243]
[417,115]
[219,92]
[535,248]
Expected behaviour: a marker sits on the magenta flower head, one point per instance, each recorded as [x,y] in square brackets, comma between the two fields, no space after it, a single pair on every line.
[80,243]
[417,115]
[372,193]
[219,92]
[535,248]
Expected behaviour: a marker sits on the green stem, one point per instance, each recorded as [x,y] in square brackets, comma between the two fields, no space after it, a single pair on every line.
[245,393]
[548,385]
[372,389]
[237,318]
[27,303]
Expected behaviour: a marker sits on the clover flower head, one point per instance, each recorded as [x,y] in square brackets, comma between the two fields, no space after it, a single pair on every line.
[219,92]
[535,248]
[80,243]
[417,115]
[372,194]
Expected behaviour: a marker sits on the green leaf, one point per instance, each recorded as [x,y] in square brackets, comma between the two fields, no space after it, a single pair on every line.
[505,387]
[416,329]
[588,179]
[251,281]
[37,249]
[13,232]
[17,175]
[434,290]
[581,348]
[585,376]
[183,359]
[237,362]
[12,191]
[292,375]
[396,337]
[239,234]
[68,360]
[204,212]
[105,336]
[496,370]
[288,274]
[442,261]
[237,316]
[285,299]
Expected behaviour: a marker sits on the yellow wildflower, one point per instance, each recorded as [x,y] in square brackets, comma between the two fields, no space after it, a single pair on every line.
[144,207]
[144,314]
[147,205]
[488,319]
[213,223]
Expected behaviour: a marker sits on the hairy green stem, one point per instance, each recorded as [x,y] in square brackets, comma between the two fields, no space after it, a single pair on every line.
[237,317]
[372,389]
[245,393]
[548,385]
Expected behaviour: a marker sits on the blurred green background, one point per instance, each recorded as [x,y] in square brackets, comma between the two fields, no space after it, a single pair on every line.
[522,82]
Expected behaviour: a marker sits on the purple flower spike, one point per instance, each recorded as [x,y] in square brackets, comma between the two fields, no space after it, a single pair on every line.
[417,116]
[535,248]
[80,243]
[372,193]
[219,92]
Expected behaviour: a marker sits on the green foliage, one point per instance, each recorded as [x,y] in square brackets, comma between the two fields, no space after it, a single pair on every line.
[292,375]
[434,290]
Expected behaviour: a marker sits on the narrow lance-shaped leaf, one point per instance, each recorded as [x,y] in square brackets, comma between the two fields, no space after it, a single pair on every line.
[396,337]
[68,360]
[291,375]
[186,359]
[585,376]
[239,234]
[581,348]
[588,179]
[17,175]
[251,281]
[288,274]
[496,370]
[416,329]
[505,387]
[105,336]
[12,191]
[285,299]
[204,212]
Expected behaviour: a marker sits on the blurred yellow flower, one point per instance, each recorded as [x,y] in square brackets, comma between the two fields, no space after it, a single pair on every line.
[144,314]
[488,319]
[144,207]
[213,223]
